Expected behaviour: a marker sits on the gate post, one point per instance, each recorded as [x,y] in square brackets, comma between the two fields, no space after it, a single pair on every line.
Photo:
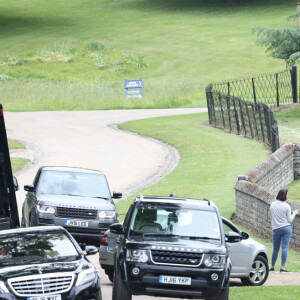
[294,83]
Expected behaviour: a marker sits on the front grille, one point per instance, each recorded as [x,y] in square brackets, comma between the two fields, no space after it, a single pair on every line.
[78,213]
[42,284]
[176,258]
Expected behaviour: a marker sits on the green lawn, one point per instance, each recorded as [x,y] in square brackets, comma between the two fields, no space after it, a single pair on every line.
[288,118]
[211,161]
[13,144]
[17,163]
[265,292]
[69,55]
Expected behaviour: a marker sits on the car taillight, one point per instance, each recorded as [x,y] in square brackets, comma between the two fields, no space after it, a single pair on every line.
[104,240]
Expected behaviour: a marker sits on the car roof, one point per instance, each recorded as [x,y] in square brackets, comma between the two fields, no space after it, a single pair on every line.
[71,169]
[177,200]
[37,229]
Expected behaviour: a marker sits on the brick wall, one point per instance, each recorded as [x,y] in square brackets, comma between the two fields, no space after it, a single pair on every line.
[253,197]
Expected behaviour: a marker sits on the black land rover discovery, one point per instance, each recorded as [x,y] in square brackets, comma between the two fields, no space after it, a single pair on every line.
[172,247]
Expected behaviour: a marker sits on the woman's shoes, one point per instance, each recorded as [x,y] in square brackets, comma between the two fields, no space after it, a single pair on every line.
[283,271]
[272,269]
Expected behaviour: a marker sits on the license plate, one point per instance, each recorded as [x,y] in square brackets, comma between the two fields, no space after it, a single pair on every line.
[175,280]
[77,223]
[49,297]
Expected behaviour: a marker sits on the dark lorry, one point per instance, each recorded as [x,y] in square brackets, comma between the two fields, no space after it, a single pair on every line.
[9,217]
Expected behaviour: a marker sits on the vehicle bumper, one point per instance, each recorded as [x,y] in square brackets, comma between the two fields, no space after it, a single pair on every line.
[86,292]
[147,281]
[94,231]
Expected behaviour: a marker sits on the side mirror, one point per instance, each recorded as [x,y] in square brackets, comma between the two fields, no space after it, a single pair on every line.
[117,195]
[29,188]
[90,250]
[232,237]
[16,184]
[245,235]
[116,228]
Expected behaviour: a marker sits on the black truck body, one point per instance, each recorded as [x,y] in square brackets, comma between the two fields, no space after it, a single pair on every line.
[9,217]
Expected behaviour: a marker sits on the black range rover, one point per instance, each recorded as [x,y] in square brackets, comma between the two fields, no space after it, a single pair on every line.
[172,247]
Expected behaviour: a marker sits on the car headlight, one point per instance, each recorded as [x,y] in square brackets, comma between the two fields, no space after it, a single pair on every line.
[86,276]
[107,214]
[137,255]
[3,288]
[215,261]
[45,209]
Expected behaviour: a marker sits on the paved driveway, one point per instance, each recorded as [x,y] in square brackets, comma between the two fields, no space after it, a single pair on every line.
[90,139]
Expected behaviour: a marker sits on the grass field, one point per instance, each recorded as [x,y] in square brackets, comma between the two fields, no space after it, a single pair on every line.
[288,118]
[211,161]
[265,292]
[70,55]
[17,163]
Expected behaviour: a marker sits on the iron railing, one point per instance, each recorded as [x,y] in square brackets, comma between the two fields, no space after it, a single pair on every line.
[242,106]
[243,117]
[272,89]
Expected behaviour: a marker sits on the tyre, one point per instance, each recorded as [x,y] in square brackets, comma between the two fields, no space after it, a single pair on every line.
[224,295]
[31,224]
[120,291]
[110,274]
[259,272]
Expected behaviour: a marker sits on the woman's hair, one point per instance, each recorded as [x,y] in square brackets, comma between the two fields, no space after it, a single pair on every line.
[282,195]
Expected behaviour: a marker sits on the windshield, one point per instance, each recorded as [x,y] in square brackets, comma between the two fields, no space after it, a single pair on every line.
[73,183]
[27,247]
[177,221]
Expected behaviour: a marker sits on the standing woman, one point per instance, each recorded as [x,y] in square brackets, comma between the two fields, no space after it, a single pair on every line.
[281,219]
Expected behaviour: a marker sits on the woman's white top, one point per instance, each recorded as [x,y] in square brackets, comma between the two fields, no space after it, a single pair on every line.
[280,214]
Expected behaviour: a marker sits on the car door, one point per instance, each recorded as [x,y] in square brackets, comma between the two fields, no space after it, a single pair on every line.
[30,201]
[239,252]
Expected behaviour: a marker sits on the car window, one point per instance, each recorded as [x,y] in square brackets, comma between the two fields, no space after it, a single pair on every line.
[26,246]
[176,221]
[73,183]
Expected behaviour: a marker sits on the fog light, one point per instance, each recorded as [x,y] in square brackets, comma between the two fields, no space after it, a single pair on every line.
[135,271]
[214,276]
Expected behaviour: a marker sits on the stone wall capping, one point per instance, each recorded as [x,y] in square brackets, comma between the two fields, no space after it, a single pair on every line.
[271,162]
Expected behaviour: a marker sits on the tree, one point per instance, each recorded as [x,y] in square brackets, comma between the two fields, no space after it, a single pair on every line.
[281,43]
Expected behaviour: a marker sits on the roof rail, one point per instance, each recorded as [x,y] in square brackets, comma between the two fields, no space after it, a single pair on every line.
[208,201]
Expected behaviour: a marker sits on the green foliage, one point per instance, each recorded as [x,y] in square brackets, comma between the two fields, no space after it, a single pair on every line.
[280,43]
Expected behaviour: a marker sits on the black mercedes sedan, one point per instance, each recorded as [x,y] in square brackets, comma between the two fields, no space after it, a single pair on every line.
[46,263]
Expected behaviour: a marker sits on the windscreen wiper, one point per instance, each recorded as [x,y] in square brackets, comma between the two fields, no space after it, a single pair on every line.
[199,238]
[160,234]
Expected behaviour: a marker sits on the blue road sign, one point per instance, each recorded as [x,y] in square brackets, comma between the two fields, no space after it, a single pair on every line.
[130,84]
[134,92]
